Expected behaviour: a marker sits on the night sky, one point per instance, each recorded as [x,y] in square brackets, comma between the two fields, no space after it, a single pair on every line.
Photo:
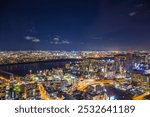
[74,24]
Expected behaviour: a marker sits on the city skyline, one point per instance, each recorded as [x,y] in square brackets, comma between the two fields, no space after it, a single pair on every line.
[86,75]
[74,25]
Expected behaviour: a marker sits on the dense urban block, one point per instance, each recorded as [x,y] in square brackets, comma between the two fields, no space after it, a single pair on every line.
[75,75]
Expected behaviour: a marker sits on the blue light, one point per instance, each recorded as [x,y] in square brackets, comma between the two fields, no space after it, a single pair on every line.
[112,98]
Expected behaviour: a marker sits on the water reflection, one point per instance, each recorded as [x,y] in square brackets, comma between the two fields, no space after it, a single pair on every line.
[23,69]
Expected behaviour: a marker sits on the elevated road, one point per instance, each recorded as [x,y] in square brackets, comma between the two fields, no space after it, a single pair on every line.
[82,85]
[141,97]
[4,79]
[43,92]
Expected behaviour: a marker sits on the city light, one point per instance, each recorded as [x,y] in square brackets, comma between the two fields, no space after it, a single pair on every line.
[62,76]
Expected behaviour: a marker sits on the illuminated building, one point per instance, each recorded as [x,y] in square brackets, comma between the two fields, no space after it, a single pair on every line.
[31,91]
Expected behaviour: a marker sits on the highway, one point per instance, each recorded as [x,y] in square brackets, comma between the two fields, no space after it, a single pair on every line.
[43,92]
[82,85]
[141,97]
[4,79]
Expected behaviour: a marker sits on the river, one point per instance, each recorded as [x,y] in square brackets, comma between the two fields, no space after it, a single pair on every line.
[24,68]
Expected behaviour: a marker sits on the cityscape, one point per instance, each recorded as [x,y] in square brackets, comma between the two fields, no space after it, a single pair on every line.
[74,49]
[75,75]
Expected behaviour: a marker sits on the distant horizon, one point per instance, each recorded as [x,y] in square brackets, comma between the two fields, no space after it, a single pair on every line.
[70,50]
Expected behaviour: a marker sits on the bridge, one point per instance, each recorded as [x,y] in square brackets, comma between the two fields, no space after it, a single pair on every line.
[6,74]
